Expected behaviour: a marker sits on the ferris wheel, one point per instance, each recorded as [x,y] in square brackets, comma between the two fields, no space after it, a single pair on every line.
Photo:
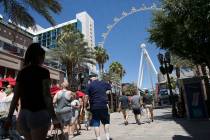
[123,15]
[150,66]
[144,53]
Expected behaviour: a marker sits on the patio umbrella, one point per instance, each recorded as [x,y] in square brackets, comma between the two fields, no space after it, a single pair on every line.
[0,83]
[11,80]
[54,90]
[80,94]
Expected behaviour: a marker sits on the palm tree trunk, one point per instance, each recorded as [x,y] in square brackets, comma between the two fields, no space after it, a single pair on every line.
[100,70]
[70,75]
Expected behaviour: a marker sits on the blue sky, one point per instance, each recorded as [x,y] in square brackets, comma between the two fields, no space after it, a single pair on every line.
[123,42]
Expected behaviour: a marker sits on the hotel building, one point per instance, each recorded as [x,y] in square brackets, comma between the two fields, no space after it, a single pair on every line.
[15,40]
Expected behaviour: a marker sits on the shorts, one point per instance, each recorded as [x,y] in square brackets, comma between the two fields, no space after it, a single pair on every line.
[99,115]
[28,120]
[150,106]
[87,115]
[136,111]
[65,118]
[124,110]
[75,116]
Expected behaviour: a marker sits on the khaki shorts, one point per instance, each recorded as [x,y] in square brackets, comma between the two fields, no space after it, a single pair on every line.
[124,110]
[149,106]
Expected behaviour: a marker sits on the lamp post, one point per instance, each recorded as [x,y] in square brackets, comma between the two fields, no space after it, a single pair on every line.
[167,68]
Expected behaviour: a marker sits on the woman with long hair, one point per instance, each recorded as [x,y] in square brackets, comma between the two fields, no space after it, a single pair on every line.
[33,90]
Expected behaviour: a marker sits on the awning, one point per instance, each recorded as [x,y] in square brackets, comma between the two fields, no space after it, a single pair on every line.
[11,80]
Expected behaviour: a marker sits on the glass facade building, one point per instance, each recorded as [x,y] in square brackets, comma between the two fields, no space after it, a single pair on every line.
[48,39]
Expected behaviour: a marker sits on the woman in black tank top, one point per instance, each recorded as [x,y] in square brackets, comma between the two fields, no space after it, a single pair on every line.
[33,91]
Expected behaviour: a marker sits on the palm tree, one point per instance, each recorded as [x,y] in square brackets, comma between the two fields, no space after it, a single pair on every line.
[17,10]
[72,51]
[117,70]
[101,58]
[130,89]
[180,63]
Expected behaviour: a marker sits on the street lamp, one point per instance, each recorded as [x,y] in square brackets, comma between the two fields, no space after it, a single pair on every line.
[167,68]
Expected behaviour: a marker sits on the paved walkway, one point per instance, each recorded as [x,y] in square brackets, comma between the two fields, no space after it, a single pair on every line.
[163,128]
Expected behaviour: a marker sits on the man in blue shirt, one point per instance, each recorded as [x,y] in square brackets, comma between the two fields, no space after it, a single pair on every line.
[98,100]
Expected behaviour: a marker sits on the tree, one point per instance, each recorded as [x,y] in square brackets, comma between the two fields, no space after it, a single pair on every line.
[101,58]
[72,51]
[17,11]
[116,70]
[130,89]
[182,27]
[180,63]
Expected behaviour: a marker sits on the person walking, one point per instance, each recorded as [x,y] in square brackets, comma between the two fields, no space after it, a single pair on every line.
[75,104]
[87,113]
[136,107]
[148,104]
[62,102]
[124,107]
[33,90]
[98,99]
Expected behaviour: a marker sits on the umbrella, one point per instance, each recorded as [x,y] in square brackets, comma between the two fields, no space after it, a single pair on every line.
[0,83]
[54,89]
[11,80]
[80,94]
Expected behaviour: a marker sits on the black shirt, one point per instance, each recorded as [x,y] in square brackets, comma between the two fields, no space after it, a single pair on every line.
[31,89]
[96,91]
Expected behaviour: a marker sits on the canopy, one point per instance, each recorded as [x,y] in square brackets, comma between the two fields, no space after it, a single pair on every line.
[80,94]
[54,89]
[11,80]
[0,83]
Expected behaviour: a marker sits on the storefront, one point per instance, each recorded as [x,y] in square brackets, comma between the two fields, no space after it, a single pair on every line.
[13,44]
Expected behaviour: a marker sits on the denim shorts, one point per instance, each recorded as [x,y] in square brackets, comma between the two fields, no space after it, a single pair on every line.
[99,115]
[28,120]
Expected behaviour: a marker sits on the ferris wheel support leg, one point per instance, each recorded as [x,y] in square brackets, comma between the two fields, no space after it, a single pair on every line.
[140,72]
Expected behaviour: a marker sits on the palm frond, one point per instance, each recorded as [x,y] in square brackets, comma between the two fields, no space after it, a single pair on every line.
[17,11]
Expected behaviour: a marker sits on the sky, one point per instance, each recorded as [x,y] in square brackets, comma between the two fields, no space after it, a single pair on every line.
[124,40]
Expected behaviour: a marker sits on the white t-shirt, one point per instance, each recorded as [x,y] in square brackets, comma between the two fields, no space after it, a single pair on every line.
[5,104]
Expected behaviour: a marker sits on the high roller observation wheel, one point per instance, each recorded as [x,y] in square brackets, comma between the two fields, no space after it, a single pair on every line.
[124,14]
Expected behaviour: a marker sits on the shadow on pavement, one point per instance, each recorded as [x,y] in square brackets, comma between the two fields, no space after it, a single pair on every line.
[166,116]
[197,129]
[179,137]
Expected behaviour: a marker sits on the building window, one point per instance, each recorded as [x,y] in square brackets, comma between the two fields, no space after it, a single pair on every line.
[44,43]
[44,36]
[13,49]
